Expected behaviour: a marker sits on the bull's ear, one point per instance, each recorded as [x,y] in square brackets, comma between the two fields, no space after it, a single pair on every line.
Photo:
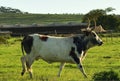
[87,33]
[92,28]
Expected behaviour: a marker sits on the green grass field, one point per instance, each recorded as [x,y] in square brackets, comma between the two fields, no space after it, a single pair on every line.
[103,58]
[39,18]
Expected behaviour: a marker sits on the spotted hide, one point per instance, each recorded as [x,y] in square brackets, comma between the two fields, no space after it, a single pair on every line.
[57,49]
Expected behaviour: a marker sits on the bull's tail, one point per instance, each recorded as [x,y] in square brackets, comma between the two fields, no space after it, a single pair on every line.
[26,44]
[22,48]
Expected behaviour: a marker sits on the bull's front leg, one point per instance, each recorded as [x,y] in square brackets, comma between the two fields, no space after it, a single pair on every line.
[81,68]
[61,67]
[77,60]
[83,55]
[79,64]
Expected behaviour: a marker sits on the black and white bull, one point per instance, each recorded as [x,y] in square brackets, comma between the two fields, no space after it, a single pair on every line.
[57,49]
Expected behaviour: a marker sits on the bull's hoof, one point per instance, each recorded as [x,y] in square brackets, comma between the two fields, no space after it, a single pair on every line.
[22,73]
[86,76]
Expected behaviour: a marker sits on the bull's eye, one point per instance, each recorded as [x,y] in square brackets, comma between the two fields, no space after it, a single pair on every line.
[94,35]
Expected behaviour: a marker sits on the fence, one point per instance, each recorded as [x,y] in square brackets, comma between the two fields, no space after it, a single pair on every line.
[110,36]
[62,29]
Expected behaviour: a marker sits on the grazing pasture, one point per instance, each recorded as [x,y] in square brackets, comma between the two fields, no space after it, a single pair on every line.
[103,58]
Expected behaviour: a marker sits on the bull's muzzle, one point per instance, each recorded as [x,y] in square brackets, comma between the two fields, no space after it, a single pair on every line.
[100,43]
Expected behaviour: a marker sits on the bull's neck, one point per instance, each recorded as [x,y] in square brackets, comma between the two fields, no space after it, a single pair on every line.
[81,44]
[85,45]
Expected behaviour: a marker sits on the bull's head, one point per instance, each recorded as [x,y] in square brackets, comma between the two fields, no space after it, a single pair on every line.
[91,38]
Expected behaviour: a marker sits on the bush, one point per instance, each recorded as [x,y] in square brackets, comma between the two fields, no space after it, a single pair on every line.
[3,39]
[106,76]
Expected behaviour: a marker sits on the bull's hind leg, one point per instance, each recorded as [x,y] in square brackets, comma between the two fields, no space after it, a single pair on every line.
[29,68]
[29,63]
[23,61]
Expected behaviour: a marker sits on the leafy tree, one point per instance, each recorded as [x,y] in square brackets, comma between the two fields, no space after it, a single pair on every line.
[93,15]
[111,22]
[109,9]
[9,10]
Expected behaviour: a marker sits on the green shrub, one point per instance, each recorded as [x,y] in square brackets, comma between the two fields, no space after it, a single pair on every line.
[106,76]
[3,39]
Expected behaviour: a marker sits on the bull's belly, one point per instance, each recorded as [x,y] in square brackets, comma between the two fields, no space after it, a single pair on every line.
[69,60]
[57,58]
